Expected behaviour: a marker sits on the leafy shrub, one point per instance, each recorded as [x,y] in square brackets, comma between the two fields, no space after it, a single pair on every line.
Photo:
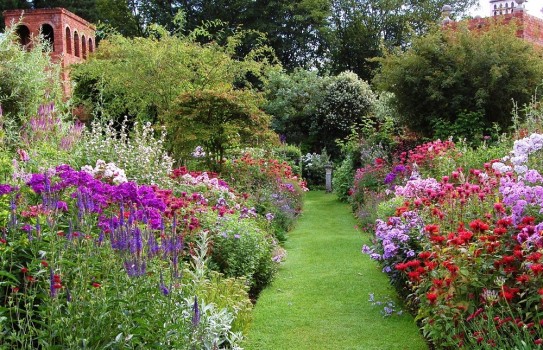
[293,100]
[272,186]
[28,78]
[440,76]
[342,179]
[242,249]
[169,66]
[347,101]
[231,294]
[470,126]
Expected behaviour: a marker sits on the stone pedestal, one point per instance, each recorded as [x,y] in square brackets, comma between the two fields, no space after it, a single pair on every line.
[328,168]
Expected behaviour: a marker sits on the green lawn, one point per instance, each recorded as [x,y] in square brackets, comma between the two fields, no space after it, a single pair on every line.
[319,299]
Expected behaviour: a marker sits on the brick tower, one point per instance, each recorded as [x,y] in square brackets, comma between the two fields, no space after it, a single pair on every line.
[71,37]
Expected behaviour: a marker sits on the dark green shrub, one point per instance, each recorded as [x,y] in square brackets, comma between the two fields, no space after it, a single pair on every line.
[446,72]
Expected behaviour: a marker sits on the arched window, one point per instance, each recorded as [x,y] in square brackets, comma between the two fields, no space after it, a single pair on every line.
[83,46]
[91,48]
[48,34]
[24,35]
[76,43]
[68,40]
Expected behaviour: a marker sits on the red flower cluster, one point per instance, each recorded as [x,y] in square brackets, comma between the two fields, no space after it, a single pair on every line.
[424,154]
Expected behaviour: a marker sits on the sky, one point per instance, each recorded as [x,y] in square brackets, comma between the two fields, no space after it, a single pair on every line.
[532,6]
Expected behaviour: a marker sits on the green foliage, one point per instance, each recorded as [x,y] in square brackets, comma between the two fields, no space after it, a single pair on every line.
[231,294]
[342,180]
[216,121]
[359,30]
[451,74]
[347,101]
[468,125]
[28,78]
[241,249]
[5,166]
[293,29]
[142,77]
[293,100]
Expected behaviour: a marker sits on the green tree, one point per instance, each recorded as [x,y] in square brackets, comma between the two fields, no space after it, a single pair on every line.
[450,73]
[346,103]
[293,28]
[359,29]
[216,121]
[118,15]
[141,77]
[293,100]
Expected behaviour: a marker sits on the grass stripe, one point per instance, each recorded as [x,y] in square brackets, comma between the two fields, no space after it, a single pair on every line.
[319,299]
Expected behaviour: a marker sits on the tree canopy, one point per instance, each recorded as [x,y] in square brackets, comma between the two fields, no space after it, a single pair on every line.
[336,35]
[141,77]
[217,122]
[448,73]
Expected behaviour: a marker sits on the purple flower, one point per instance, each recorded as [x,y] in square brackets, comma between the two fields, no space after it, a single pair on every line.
[388,311]
[270,216]
[135,268]
[5,189]
[236,236]
[62,206]
[37,183]
[375,256]
[399,168]
[390,177]
[196,315]
[136,244]
[52,289]
[152,246]
[162,286]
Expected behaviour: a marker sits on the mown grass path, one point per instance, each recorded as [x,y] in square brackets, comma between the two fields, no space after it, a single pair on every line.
[319,299]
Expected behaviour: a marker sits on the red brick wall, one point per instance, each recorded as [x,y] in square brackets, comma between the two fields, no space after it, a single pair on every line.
[530,28]
[64,48]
